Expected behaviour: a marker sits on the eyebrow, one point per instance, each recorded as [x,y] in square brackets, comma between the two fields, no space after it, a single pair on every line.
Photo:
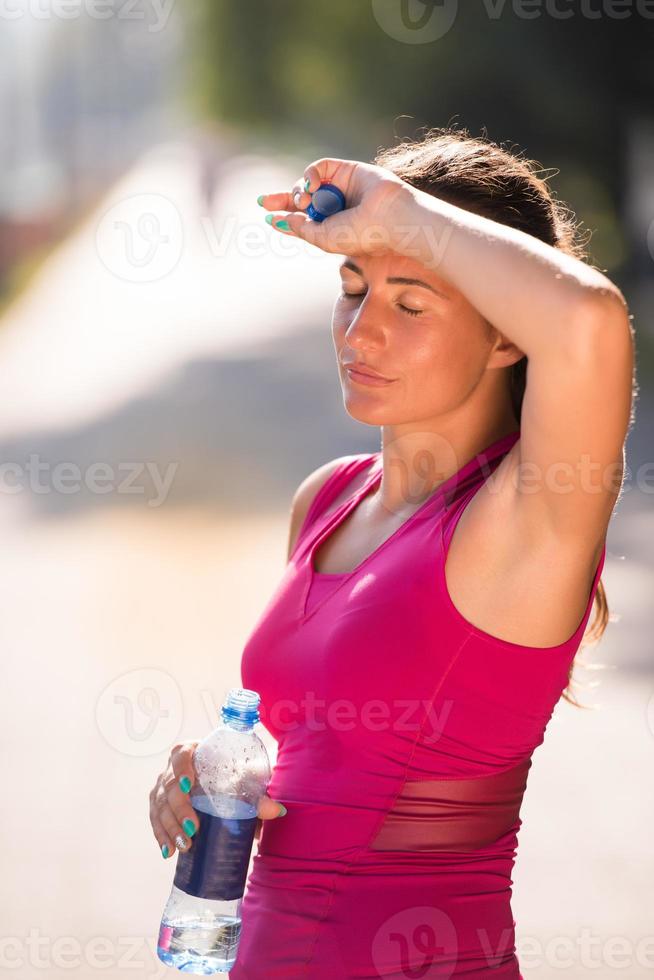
[401,280]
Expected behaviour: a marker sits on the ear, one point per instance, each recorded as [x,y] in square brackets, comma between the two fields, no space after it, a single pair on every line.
[504,352]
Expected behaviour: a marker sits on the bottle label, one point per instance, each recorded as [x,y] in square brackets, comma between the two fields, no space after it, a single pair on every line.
[216,865]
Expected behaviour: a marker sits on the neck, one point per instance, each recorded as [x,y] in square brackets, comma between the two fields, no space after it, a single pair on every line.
[415,463]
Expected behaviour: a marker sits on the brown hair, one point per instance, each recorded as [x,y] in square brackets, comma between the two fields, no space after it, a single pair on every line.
[481,176]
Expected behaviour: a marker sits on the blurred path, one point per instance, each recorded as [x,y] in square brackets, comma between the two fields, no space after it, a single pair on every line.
[153,278]
[123,627]
[99,609]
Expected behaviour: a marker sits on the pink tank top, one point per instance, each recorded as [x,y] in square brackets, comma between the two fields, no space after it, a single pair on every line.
[405,736]
[397,596]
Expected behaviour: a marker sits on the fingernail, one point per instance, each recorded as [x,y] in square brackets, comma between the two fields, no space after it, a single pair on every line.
[189,826]
[260,199]
[185,784]
[282,810]
[307,184]
[180,843]
[165,851]
[282,223]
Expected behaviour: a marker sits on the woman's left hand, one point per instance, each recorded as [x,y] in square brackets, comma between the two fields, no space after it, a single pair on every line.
[371,221]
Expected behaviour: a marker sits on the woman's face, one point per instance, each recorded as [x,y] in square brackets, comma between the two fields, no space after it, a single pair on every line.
[398,318]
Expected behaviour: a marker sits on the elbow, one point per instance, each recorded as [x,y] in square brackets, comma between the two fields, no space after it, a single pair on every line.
[606,344]
[603,305]
[602,323]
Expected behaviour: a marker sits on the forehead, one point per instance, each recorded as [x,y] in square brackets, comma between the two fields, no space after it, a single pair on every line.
[379,269]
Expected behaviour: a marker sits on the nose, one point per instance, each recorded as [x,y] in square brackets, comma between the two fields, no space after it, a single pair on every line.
[365,330]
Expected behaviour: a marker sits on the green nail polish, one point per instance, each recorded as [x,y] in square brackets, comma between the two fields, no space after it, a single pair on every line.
[269,218]
[185,784]
[282,810]
[164,851]
[283,224]
[307,184]
[189,827]
[260,199]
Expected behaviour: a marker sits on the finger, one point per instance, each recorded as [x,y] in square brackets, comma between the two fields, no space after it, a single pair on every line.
[316,173]
[301,199]
[188,819]
[162,837]
[325,170]
[285,200]
[268,809]
[335,234]
[179,834]
[181,761]
[165,827]
[177,793]
[180,803]
[313,178]
[300,194]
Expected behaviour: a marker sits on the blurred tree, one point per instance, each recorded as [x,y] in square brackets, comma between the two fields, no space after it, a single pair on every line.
[564,82]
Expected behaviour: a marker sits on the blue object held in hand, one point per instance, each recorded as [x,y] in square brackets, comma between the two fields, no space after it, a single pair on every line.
[327,200]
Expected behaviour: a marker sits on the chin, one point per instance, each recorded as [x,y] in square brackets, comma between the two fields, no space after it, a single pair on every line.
[365,410]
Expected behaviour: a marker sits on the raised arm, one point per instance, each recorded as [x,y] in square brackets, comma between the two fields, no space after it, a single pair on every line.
[569,319]
[573,325]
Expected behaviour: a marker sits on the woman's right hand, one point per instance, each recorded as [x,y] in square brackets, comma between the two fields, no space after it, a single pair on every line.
[375,208]
[173,819]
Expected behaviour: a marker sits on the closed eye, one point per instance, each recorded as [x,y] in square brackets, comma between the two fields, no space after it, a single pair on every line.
[411,312]
[405,309]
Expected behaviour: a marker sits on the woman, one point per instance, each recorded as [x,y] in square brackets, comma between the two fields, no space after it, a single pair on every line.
[407,698]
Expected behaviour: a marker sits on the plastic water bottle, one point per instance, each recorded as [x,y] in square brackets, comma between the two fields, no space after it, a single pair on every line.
[328,199]
[201,924]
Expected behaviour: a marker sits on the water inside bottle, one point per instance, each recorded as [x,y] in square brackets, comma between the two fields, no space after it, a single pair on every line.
[197,947]
[201,925]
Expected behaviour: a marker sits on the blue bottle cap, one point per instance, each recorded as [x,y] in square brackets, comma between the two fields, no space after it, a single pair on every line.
[241,705]
[325,201]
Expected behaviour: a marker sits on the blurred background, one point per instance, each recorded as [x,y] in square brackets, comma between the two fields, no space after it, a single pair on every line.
[168,378]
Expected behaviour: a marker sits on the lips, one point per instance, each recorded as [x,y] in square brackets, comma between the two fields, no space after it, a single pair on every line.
[362,369]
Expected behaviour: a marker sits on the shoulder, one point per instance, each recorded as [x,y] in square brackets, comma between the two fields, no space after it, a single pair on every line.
[515,580]
[497,523]
[308,491]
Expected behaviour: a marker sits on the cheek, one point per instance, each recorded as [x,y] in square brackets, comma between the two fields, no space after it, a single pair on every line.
[454,350]
[439,365]
[424,349]
[450,351]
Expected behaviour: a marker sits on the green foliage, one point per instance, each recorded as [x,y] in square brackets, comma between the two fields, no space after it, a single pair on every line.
[328,75]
